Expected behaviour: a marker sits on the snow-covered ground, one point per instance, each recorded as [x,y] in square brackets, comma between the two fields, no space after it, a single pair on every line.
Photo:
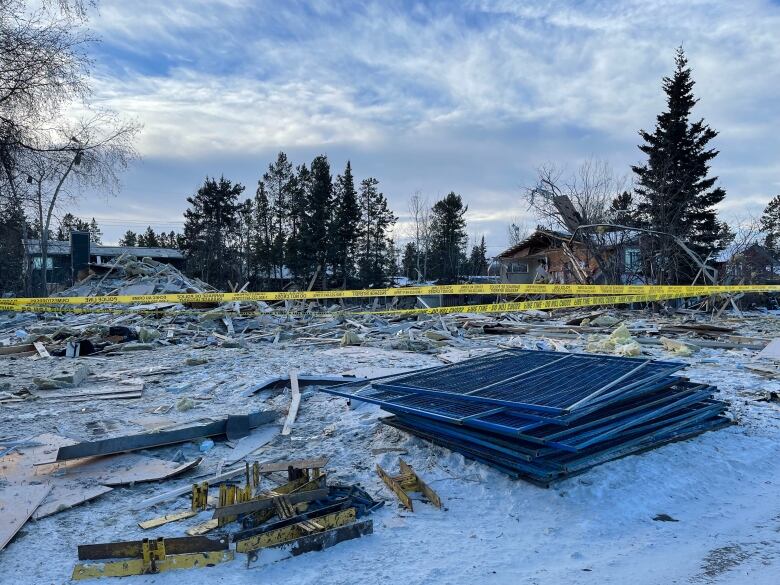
[721,488]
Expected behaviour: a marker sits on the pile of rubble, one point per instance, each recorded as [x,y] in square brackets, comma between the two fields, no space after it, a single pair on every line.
[109,370]
[128,275]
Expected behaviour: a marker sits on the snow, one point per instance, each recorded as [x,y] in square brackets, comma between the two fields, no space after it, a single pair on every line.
[597,528]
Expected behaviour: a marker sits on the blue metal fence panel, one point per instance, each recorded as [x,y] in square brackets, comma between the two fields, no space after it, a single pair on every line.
[537,380]
[544,416]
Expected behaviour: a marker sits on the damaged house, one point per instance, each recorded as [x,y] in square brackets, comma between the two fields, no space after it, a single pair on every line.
[65,260]
[552,257]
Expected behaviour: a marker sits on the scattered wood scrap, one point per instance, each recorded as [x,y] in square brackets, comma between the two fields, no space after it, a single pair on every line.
[294,404]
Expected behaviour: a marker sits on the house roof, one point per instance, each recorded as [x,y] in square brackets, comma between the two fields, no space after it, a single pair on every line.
[543,238]
[60,248]
[539,239]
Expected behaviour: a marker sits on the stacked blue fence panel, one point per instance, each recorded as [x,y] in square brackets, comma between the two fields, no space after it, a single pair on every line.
[544,416]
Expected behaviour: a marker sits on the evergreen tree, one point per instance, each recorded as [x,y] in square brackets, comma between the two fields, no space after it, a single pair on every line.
[622,210]
[392,259]
[263,234]
[279,184]
[149,239]
[314,227]
[299,189]
[448,237]
[208,225]
[244,269]
[374,261]
[70,223]
[95,233]
[13,228]
[409,261]
[770,223]
[129,239]
[676,195]
[478,262]
[345,228]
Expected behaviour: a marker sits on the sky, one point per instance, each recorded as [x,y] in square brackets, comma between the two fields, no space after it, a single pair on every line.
[428,97]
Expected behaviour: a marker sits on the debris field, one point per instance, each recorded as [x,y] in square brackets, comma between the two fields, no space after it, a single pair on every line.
[220,444]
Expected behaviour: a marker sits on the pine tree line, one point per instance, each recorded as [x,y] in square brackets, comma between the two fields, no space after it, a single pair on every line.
[151,239]
[303,226]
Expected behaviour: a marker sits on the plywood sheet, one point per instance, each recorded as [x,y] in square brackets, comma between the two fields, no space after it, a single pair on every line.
[68,493]
[17,503]
[75,482]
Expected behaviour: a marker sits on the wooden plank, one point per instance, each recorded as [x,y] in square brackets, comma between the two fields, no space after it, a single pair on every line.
[89,392]
[175,493]
[295,464]
[79,481]
[167,519]
[17,504]
[294,404]
[19,350]
[41,349]
[202,528]
[251,443]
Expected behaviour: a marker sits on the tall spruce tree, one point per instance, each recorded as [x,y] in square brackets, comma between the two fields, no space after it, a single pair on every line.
[478,262]
[95,233]
[278,183]
[770,223]
[409,261]
[344,228]
[676,196]
[294,255]
[374,261]
[208,224]
[448,238]
[314,227]
[149,238]
[129,239]
[263,234]
[622,210]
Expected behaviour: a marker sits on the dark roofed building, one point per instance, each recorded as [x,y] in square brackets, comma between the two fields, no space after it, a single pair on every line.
[63,265]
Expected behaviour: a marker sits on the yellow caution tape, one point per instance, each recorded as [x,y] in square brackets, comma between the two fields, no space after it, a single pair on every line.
[547,304]
[454,289]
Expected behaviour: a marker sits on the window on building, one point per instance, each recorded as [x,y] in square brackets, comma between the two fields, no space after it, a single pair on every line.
[633,259]
[518,268]
[37,262]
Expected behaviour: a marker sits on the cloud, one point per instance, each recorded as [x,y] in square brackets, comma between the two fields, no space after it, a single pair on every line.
[437,96]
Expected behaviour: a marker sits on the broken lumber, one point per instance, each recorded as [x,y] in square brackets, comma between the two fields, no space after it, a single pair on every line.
[294,404]
[148,440]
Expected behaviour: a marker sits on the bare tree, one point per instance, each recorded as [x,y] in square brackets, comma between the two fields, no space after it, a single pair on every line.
[517,231]
[564,202]
[43,68]
[747,232]
[420,212]
[85,154]
[47,156]
[591,189]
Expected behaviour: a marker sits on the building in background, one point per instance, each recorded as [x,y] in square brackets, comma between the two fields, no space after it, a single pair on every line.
[551,257]
[67,262]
